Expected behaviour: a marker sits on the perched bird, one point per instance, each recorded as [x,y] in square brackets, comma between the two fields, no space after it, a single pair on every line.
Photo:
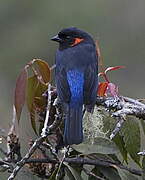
[76,79]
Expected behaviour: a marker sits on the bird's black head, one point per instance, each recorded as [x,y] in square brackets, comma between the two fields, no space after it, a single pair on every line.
[71,37]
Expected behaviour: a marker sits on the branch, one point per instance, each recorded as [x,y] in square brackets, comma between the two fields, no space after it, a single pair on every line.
[120,108]
[46,130]
[101,163]
[82,161]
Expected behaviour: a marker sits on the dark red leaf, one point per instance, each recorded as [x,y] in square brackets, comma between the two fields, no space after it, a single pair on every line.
[20,92]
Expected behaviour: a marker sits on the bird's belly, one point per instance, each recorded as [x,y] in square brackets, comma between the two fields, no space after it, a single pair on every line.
[75,80]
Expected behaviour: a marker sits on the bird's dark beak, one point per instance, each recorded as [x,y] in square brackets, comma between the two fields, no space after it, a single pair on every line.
[56,38]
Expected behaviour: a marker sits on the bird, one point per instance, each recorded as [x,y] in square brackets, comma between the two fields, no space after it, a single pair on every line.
[76,77]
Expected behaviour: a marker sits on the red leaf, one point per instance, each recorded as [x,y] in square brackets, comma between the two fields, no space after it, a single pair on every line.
[113,68]
[112,89]
[102,88]
[20,92]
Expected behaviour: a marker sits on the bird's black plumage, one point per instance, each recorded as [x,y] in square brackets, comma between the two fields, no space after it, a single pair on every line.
[76,79]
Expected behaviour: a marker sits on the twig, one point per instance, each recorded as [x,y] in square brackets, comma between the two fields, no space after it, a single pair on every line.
[11,130]
[38,141]
[36,144]
[117,128]
[66,149]
[21,163]
[44,130]
[52,150]
[6,165]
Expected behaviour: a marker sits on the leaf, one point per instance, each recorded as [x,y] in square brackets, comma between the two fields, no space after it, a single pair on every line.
[101,145]
[75,174]
[44,70]
[31,91]
[33,123]
[143,125]
[30,96]
[131,137]
[125,175]
[143,166]
[20,92]
[53,175]
[110,173]
[100,58]
[112,90]
[39,100]
[102,88]
[95,171]
[68,175]
[35,100]
[113,68]
[118,139]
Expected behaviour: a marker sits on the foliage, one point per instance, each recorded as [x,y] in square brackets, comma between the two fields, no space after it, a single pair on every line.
[31,89]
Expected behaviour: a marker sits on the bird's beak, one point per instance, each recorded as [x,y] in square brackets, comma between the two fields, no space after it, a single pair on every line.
[56,38]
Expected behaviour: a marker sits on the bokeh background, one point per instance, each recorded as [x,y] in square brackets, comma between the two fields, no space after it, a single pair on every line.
[27,26]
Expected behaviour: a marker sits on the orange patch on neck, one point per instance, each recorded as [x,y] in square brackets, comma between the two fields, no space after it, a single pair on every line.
[77,41]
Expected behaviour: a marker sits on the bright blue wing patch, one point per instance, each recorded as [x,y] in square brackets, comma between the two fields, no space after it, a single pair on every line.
[76,83]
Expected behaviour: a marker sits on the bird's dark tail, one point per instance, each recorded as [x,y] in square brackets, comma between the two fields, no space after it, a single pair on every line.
[73,131]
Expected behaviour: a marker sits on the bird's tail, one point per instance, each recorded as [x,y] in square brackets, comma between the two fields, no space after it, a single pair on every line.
[73,131]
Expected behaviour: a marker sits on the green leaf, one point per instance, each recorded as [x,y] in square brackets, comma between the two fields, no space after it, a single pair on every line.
[53,176]
[31,91]
[143,166]
[131,137]
[75,174]
[44,70]
[100,145]
[143,125]
[20,92]
[34,98]
[30,97]
[41,125]
[110,173]
[125,175]
[32,118]
[96,172]
[118,139]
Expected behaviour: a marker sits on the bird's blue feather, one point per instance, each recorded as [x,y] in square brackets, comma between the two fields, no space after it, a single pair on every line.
[76,83]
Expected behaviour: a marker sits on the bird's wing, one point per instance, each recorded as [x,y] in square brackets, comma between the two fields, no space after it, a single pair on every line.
[90,84]
[63,89]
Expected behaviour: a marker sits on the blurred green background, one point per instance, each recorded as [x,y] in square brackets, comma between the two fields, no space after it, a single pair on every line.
[27,26]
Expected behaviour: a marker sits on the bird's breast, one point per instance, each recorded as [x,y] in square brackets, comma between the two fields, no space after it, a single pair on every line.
[76,57]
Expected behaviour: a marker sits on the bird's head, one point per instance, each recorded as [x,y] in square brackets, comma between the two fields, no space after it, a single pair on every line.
[71,37]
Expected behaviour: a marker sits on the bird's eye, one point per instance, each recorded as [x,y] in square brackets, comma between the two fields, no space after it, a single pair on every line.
[67,37]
